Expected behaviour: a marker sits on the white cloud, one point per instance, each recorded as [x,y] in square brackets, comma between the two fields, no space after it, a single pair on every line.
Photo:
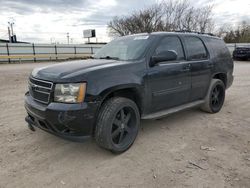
[231,11]
[43,21]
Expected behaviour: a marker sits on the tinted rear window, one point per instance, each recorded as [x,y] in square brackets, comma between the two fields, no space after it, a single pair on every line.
[195,48]
[219,48]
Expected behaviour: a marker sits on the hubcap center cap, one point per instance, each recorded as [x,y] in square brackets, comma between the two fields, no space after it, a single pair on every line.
[122,125]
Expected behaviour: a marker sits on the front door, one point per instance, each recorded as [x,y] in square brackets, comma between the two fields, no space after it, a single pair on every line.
[170,81]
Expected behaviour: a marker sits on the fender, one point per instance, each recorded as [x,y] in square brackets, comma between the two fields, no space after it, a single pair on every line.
[103,87]
[102,83]
[137,88]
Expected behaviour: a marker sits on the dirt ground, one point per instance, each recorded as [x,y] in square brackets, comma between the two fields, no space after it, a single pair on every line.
[188,149]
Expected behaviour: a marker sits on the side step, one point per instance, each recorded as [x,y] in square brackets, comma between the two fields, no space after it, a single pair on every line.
[172,110]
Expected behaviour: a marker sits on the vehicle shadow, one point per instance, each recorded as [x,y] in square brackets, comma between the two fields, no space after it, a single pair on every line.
[89,148]
[171,121]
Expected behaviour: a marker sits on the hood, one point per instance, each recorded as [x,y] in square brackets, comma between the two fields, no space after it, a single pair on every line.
[72,69]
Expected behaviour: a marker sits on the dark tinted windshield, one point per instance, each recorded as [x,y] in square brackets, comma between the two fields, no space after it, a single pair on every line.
[125,48]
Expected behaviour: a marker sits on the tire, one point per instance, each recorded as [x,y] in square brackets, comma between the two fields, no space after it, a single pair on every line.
[117,124]
[215,97]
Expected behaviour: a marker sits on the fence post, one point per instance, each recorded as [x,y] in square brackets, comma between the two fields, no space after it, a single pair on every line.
[91,49]
[34,52]
[75,51]
[56,52]
[8,51]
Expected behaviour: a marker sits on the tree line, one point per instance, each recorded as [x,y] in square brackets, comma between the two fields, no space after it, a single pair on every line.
[168,15]
[239,35]
[172,15]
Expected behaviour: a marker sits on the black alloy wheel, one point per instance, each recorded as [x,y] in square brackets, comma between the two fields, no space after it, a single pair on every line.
[117,124]
[124,126]
[215,97]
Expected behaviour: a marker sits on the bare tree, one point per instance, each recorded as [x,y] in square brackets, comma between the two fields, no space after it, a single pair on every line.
[165,16]
[147,20]
[239,35]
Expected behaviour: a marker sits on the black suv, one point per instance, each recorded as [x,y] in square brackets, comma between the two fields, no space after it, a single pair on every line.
[241,53]
[143,76]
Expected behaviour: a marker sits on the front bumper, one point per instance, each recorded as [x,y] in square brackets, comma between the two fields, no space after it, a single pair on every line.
[70,121]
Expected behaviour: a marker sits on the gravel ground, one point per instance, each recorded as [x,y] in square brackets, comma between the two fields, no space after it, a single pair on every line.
[187,149]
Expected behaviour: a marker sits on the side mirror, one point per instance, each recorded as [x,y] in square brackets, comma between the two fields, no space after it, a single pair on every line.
[169,55]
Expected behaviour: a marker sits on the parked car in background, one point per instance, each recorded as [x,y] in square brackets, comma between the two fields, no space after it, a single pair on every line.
[143,76]
[241,53]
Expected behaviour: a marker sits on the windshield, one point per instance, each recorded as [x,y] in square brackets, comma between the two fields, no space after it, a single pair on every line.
[124,48]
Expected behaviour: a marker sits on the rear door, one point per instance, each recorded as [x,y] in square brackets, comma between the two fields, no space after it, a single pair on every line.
[201,66]
[170,81]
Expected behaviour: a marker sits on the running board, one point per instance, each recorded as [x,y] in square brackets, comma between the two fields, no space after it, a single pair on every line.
[172,110]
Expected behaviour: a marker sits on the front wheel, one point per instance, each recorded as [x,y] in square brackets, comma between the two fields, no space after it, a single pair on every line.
[117,124]
[215,97]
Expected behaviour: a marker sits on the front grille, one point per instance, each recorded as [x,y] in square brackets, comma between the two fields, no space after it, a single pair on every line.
[243,50]
[40,90]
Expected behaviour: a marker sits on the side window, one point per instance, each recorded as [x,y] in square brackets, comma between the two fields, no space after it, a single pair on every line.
[195,48]
[219,48]
[171,43]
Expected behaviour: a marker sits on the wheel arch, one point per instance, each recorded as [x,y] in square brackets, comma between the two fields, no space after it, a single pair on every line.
[221,76]
[130,91]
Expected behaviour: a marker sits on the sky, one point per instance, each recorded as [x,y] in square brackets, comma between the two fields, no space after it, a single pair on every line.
[46,21]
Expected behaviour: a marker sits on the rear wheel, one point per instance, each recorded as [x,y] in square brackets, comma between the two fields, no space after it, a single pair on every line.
[215,97]
[117,124]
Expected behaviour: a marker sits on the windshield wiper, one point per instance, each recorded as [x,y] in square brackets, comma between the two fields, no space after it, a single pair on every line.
[109,57]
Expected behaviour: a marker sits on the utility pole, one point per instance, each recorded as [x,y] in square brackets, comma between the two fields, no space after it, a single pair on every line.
[11,27]
[9,34]
[68,37]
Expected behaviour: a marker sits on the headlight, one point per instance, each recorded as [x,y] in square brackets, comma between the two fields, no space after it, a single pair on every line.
[70,93]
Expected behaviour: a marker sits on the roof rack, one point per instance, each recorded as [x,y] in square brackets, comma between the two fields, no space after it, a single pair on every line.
[188,31]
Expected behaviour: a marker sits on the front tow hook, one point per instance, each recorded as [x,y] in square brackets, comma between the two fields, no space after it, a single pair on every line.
[30,122]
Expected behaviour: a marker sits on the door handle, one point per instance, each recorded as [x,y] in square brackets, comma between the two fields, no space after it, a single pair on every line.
[186,67]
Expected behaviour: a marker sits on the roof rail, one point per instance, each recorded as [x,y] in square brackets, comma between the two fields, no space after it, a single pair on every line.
[189,31]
